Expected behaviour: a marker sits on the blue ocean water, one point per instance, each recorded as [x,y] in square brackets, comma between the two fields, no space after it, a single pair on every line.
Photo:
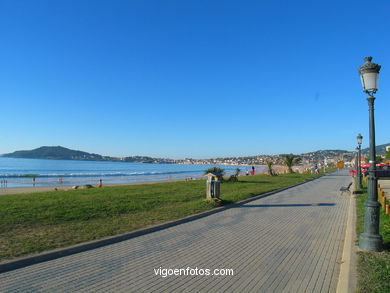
[66,172]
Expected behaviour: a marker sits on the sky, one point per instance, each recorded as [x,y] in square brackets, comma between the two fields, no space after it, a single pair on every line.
[193,78]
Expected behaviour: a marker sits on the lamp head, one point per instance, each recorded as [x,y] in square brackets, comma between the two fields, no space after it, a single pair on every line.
[369,74]
[359,139]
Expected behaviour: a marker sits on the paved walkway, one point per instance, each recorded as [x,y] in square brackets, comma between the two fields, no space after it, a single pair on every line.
[288,242]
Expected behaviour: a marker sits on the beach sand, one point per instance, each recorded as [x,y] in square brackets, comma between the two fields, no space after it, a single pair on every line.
[15,190]
[33,189]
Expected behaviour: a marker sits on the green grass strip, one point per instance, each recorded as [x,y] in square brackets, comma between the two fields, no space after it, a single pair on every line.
[373,267]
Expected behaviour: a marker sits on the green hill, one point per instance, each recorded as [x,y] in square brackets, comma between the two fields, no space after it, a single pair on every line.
[54,153]
[380,149]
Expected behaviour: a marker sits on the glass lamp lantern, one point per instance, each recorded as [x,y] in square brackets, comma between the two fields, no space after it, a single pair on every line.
[369,74]
[359,139]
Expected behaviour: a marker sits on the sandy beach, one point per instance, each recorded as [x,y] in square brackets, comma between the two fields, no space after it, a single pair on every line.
[16,190]
[33,189]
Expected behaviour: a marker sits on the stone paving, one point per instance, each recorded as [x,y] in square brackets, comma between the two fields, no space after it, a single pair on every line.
[290,241]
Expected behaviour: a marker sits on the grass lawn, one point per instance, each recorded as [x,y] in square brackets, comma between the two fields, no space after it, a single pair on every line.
[373,267]
[32,223]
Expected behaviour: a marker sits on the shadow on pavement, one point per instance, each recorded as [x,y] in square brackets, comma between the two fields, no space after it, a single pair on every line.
[286,205]
[257,182]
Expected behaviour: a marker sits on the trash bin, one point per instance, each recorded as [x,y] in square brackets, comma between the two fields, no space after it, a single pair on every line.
[212,186]
[215,188]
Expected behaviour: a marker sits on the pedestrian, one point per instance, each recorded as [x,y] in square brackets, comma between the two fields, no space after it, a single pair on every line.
[253,170]
[100,183]
[247,173]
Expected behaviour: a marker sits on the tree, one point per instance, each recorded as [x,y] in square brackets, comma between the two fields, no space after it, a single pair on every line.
[270,171]
[219,172]
[290,161]
[234,178]
[387,155]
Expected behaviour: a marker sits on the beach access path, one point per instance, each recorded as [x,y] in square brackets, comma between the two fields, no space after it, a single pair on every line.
[290,241]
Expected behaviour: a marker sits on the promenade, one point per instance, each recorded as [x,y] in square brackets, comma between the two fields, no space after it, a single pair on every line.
[290,241]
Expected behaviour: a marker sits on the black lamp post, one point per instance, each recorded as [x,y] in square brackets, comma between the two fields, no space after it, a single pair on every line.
[358,168]
[356,161]
[370,238]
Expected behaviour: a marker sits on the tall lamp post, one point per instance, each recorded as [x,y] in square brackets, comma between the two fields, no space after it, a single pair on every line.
[358,168]
[356,164]
[370,238]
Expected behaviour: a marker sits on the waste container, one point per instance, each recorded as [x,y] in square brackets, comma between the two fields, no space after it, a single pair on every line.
[215,188]
[212,186]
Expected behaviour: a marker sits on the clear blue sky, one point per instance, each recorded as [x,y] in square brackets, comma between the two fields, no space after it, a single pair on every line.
[174,78]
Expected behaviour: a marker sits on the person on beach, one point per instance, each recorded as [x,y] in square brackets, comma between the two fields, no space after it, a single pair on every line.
[100,183]
[33,181]
[60,180]
[247,173]
[253,170]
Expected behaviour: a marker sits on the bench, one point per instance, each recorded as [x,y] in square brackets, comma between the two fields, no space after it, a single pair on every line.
[384,194]
[346,188]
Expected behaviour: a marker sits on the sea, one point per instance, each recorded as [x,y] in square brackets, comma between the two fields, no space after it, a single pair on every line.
[36,172]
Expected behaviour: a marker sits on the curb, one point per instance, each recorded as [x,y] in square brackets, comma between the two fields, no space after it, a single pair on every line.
[347,282]
[62,252]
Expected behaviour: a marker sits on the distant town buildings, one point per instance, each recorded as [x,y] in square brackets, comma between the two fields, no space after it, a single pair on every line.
[328,157]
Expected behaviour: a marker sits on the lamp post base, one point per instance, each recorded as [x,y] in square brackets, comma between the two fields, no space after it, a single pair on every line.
[370,242]
[357,192]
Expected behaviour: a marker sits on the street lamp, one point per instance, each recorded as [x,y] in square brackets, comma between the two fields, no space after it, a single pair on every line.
[370,238]
[358,168]
[356,161]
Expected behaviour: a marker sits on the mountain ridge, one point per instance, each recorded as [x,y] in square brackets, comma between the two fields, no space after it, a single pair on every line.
[380,149]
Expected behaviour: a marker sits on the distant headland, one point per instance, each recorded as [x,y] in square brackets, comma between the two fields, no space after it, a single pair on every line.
[62,153]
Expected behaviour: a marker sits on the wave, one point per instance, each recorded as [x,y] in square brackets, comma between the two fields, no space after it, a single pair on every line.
[112,174]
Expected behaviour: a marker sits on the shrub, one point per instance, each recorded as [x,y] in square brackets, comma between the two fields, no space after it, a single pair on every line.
[219,172]
[290,160]
[270,171]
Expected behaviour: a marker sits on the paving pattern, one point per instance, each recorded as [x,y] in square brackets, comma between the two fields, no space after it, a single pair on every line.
[290,241]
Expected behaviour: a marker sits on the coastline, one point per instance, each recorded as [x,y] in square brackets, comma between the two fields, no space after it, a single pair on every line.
[34,189]
[18,174]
